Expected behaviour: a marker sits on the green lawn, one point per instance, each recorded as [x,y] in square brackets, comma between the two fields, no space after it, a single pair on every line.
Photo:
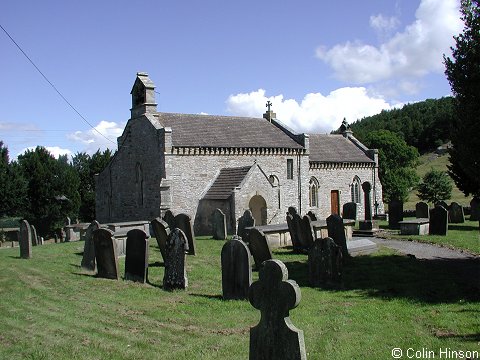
[51,309]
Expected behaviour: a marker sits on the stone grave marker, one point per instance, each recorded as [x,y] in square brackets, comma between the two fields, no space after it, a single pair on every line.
[475,209]
[169,218]
[105,254]
[236,269]
[395,214]
[259,247]
[275,337]
[161,231]
[88,259]
[34,235]
[325,263]
[25,240]
[312,215]
[456,214]
[292,229]
[219,225]
[244,221]
[184,223]
[438,221]
[422,210]
[301,231]
[307,232]
[349,211]
[175,276]
[368,224]
[336,231]
[136,259]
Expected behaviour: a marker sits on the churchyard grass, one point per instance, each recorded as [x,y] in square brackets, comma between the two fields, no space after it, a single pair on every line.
[51,309]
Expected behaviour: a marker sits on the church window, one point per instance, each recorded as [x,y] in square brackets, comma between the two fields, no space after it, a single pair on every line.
[289,169]
[313,192]
[355,190]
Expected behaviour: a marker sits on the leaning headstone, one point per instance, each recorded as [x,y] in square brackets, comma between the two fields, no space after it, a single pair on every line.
[421,210]
[34,235]
[301,231]
[443,204]
[245,221]
[25,240]
[105,254]
[395,214]
[259,247]
[136,259]
[292,229]
[175,276]
[161,231]
[308,233]
[88,259]
[236,269]
[438,221]
[219,225]
[456,213]
[275,337]
[184,223]
[312,215]
[169,218]
[350,211]
[336,231]
[325,263]
[475,209]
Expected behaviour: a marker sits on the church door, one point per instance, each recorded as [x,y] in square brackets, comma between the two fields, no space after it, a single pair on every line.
[258,207]
[335,202]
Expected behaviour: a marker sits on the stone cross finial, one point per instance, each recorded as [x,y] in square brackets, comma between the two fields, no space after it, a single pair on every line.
[269,105]
[275,337]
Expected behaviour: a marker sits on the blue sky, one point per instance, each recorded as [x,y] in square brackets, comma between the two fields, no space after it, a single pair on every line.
[317,61]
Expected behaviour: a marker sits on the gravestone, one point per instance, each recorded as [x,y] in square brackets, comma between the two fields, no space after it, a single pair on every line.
[244,221]
[219,225]
[438,221]
[259,247]
[275,337]
[175,276]
[307,232]
[169,218]
[105,254]
[456,214]
[325,263]
[443,204]
[395,214]
[292,229]
[184,223]
[136,259]
[336,231]
[34,235]
[475,209]
[350,211]
[88,259]
[368,224]
[301,231]
[236,269]
[41,241]
[421,210]
[312,215]
[161,231]
[25,240]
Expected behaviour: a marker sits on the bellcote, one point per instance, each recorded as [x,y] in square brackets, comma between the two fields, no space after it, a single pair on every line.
[143,96]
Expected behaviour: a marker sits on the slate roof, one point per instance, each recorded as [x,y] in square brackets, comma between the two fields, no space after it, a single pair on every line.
[336,149]
[227,180]
[192,130]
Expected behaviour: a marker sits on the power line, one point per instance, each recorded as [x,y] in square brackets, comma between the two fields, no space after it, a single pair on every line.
[53,86]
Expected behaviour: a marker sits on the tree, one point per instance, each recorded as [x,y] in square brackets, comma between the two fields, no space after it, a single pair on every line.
[435,186]
[397,163]
[463,74]
[12,186]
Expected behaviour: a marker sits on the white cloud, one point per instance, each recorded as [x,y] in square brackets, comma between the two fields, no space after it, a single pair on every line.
[412,53]
[384,25]
[103,136]
[316,112]
[54,150]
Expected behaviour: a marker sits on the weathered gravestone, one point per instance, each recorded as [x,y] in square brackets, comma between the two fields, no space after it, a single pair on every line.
[259,247]
[350,211]
[438,221]
[88,259]
[105,254]
[307,232]
[184,223]
[25,240]
[395,214]
[336,231]
[301,231]
[34,235]
[219,225]
[312,215]
[161,231]
[275,337]
[169,218]
[292,229]
[475,209]
[175,276]
[456,214]
[325,263]
[136,259]
[236,269]
[245,221]
[421,210]
[444,205]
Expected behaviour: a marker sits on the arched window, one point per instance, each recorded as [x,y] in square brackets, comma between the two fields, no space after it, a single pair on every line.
[313,192]
[355,190]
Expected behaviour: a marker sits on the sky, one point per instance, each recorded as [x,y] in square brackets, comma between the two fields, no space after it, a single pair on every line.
[316,61]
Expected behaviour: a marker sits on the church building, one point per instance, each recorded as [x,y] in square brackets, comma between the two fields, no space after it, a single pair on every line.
[194,164]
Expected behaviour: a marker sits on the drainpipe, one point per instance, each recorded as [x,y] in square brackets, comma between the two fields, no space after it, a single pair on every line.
[299,179]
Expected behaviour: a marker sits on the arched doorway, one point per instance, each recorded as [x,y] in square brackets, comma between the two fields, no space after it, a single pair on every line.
[258,207]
